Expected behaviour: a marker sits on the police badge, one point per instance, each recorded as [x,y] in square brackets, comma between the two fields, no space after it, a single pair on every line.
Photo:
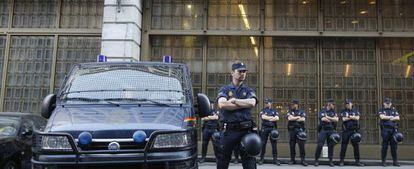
[230,94]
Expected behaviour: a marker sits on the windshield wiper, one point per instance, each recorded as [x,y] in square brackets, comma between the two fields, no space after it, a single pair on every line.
[88,100]
[116,90]
[139,100]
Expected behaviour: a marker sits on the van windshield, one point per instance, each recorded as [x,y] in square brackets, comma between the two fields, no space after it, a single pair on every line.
[143,84]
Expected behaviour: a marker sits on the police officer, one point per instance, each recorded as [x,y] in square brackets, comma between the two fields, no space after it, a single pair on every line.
[296,124]
[210,125]
[350,126]
[327,126]
[388,122]
[236,101]
[269,118]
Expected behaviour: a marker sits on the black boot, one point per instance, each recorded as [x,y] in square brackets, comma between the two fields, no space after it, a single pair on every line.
[341,163]
[236,161]
[292,161]
[359,164]
[303,162]
[276,162]
[260,162]
[383,163]
[395,163]
[331,163]
[316,163]
[202,159]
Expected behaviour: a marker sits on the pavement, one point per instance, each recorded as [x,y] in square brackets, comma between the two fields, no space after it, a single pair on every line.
[211,164]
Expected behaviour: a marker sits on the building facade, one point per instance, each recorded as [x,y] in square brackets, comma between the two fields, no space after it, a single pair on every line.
[309,50]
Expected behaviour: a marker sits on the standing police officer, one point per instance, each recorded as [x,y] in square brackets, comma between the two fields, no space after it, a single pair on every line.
[296,128]
[236,101]
[388,122]
[269,118]
[350,128]
[210,126]
[327,126]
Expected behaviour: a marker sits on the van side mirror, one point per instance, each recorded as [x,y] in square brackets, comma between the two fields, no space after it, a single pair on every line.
[48,105]
[203,108]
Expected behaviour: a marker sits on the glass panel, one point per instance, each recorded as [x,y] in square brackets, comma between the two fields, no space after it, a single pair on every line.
[2,53]
[222,52]
[290,71]
[397,79]
[4,13]
[350,15]
[398,15]
[233,15]
[353,77]
[72,50]
[297,15]
[183,49]
[82,14]
[34,13]
[177,15]
[28,73]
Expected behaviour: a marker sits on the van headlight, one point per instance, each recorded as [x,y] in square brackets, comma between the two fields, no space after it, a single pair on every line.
[173,140]
[56,143]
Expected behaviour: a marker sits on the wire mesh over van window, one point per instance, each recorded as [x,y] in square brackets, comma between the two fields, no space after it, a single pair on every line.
[125,83]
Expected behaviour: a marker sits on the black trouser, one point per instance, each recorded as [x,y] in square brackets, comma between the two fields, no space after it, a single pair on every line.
[346,137]
[229,140]
[207,133]
[387,138]
[293,139]
[324,136]
[264,134]
[236,151]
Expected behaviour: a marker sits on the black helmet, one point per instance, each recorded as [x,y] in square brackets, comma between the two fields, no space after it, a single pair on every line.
[216,136]
[301,135]
[356,138]
[335,138]
[274,134]
[252,144]
[398,137]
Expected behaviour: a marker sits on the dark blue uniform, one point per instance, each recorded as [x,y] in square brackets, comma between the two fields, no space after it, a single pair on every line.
[267,127]
[388,128]
[234,124]
[348,129]
[209,127]
[294,127]
[326,129]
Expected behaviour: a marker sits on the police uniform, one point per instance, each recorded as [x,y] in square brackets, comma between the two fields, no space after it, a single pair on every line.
[325,130]
[267,127]
[209,127]
[348,129]
[388,128]
[236,124]
[294,127]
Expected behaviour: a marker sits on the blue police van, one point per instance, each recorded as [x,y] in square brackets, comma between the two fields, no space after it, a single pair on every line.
[139,115]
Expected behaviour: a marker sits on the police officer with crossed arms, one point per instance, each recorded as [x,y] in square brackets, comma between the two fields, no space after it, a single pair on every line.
[327,131]
[236,101]
[296,127]
[210,125]
[269,118]
[389,117]
[350,131]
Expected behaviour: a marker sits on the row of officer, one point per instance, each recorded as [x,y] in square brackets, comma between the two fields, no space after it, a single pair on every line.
[236,100]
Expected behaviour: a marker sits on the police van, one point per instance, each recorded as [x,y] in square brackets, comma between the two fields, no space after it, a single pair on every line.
[121,114]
